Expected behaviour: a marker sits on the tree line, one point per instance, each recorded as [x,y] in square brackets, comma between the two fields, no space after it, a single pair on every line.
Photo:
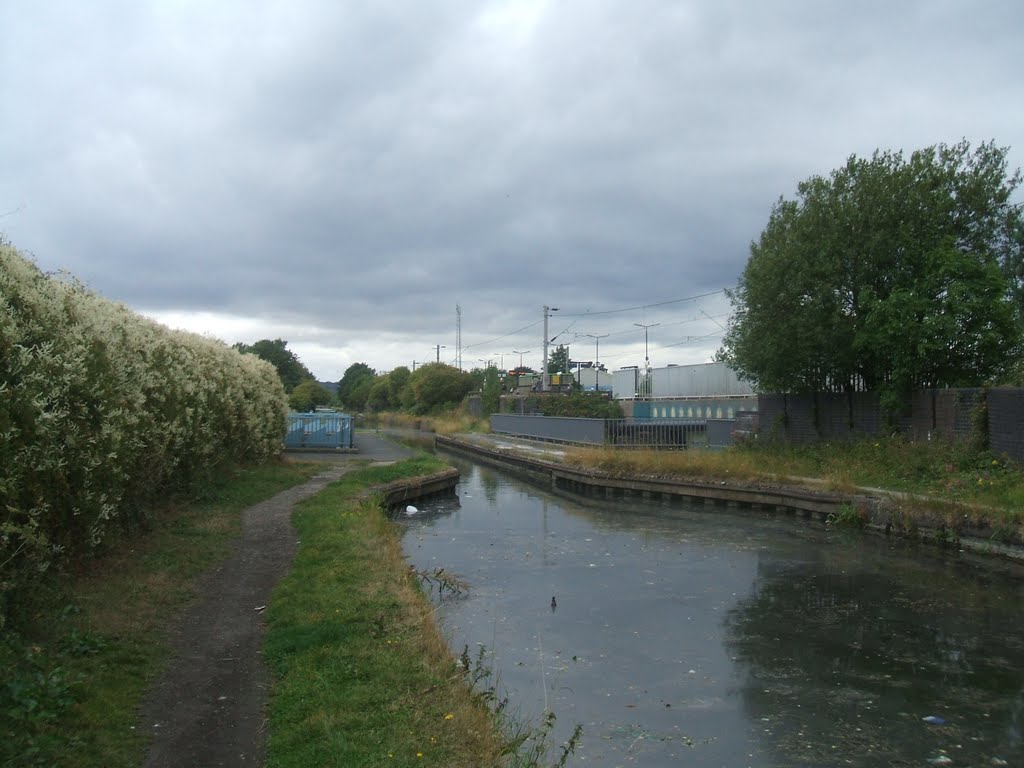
[430,388]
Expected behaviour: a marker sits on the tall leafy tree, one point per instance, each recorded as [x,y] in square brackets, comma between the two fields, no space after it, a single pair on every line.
[308,395]
[355,385]
[276,352]
[890,274]
[558,361]
[437,385]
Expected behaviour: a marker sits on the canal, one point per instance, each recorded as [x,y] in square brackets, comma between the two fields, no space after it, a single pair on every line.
[685,635]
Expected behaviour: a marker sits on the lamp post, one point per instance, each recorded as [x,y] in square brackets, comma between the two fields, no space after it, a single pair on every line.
[545,377]
[647,359]
[597,357]
[517,352]
[439,348]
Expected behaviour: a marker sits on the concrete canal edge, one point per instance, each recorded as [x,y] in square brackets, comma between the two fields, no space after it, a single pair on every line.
[415,488]
[877,511]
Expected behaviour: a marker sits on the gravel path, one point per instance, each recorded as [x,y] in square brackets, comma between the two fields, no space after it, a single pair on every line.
[209,707]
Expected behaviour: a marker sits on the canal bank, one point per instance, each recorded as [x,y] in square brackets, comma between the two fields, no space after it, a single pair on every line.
[933,521]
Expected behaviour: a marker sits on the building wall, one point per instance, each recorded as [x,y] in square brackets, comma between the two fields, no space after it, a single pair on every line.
[704,380]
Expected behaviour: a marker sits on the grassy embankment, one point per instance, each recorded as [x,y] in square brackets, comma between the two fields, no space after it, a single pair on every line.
[364,677]
[79,659]
[942,477]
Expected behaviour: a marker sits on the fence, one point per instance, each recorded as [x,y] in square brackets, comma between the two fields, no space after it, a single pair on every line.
[623,433]
[318,430]
[948,413]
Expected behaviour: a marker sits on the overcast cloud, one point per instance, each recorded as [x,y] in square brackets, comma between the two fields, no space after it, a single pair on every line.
[343,174]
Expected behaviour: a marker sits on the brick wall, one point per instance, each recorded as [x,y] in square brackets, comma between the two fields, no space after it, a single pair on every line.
[940,412]
[1006,422]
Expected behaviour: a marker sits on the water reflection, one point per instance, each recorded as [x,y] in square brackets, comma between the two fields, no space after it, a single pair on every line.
[683,635]
[857,648]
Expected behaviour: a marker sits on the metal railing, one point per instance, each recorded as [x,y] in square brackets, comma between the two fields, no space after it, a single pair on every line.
[663,434]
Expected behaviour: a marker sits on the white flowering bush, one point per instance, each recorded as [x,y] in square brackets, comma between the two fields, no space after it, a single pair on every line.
[102,410]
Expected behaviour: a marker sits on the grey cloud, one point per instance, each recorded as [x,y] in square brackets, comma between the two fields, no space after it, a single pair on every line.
[361,168]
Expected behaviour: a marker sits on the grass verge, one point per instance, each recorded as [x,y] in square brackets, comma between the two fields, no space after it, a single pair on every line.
[81,655]
[950,481]
[363,675]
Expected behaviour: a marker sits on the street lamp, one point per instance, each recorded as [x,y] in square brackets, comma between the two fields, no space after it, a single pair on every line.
[647,359]
[517,352]
[439,348]
[597,357]
[544,373]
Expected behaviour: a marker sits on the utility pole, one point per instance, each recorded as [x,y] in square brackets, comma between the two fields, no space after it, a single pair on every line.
[458,335]
[597,358]
[545,376]
[439,348]
[647,359]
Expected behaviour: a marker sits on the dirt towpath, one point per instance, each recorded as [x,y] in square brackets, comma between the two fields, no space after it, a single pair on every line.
[209,707]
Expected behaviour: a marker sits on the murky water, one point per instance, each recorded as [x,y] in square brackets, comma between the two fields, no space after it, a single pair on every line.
[690,636]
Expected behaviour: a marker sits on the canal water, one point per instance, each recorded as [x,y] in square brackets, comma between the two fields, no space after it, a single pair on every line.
[690,635]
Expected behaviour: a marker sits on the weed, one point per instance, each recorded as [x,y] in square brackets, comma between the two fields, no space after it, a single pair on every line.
[848,516]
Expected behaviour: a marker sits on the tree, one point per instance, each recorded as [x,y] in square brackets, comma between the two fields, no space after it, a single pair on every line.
[490,392]
[558,362]
[386,391]
[308,395]
[355,384]
[276,352]
[888,275]
[435,386]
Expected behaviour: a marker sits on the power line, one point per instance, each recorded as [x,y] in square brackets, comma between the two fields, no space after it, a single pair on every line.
[505,336]
[645,306]
[602,312]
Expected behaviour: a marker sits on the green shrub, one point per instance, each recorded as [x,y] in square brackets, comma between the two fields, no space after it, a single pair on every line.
[103,410]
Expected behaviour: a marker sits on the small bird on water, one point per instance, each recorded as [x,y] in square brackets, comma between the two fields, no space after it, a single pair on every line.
[553,603]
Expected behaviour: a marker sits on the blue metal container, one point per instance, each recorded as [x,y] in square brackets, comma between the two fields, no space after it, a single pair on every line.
[322,430]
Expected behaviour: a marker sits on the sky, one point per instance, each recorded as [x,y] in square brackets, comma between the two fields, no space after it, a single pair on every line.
[397,182]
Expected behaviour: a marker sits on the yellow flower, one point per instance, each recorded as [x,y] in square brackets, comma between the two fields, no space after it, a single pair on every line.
[449,716]
[419,755]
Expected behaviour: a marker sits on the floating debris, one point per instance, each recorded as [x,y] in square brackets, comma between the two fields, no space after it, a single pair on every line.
[934,720]
[411,510]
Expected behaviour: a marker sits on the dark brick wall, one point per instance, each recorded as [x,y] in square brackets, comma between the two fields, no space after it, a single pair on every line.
[947,413]
[771,411]
[1006,422]
[833,416]
[867,414]
[800,426]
